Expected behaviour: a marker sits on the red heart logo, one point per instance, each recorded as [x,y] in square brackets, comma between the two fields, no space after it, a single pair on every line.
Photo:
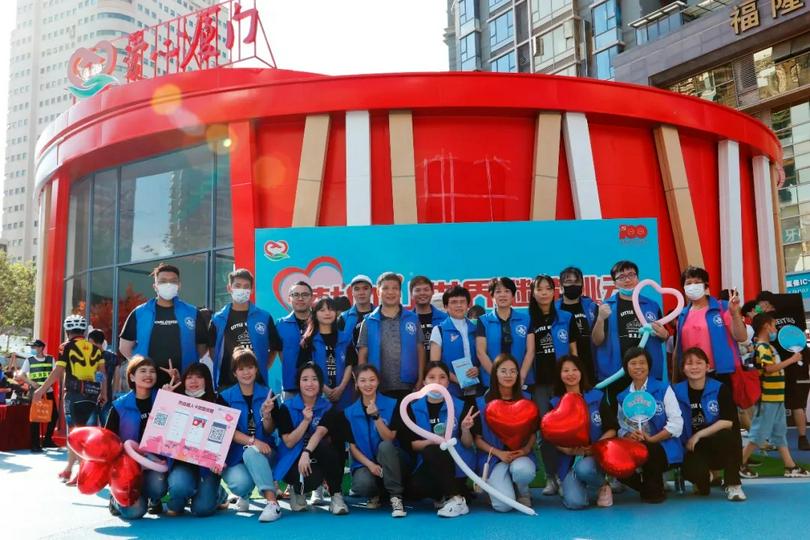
[619,457]
[512,421]
[567,425]
[323,274]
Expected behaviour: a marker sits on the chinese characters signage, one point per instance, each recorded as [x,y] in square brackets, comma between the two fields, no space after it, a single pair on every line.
[746,16]
[218,36]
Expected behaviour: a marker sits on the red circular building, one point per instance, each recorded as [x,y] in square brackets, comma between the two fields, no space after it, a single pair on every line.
[186,167]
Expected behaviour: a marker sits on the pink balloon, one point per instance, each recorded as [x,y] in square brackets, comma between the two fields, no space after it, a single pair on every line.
[662,290]
[133,450]
[451,413]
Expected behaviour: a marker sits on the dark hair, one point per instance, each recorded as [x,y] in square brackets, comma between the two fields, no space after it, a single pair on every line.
[73,333]
[505,282]
[437,364]
[134,363]
[623,265]
[342,304]
[494,391]
[476,312]
[694,272]
[456,291]
[163,267]
[749,307]
[96,335]
[362,369]
[200,369]
[314,367]
[766,296]
[303,284]
[759,322]
[243,357]
[419,280]
[695,351]
[584,382]
[313,327]
[571,271]
[242,273]
[534,308]
[389,276]
[635,352]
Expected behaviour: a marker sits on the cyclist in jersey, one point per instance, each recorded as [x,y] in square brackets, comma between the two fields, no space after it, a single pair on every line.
[79,361]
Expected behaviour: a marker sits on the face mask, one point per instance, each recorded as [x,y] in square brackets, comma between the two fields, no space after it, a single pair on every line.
[435,395]
[626,292]
[240,296]
[572,292]
[696,291]
[771,336]
[199,393]
[167,291]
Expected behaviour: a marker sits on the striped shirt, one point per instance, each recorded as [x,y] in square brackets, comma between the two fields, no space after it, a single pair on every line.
[773,384]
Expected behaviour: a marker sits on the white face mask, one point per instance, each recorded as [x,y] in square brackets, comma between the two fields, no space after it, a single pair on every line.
[696,291]
[240,296]
[198,394]
[167,291]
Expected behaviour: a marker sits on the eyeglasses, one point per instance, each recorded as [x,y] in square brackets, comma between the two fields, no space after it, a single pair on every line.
[507,372]
[300,295]
[626,277]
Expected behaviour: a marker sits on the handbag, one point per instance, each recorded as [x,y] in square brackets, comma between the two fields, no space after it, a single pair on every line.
[41,411]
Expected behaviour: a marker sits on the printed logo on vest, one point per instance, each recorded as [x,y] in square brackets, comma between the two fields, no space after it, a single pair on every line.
[650,316]
[718,320]
[189,322]
[261,328]
[714,407]
[410,328]
[454,337]
[562,335]
[596,418]
[659,408]
[521,330]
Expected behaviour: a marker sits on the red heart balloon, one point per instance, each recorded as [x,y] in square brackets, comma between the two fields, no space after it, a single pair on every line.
[619,457]
[125,480]
[567,425]
[93,476]
[512,421]
[95,444]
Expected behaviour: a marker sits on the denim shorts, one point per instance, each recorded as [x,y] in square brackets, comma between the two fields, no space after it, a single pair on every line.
[769,424]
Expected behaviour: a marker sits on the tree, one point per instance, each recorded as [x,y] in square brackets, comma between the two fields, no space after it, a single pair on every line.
[17,294]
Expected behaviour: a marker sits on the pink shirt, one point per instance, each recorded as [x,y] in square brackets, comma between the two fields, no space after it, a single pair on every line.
[695,332]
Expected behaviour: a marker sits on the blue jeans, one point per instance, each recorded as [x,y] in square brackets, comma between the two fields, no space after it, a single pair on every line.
[585,474]
[504,477]
[191,482]
[253,471]
[153,487]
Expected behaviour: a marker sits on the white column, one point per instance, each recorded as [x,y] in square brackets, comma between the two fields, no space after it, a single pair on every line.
[731,248]
[766,231]
[358,168]
[581,171]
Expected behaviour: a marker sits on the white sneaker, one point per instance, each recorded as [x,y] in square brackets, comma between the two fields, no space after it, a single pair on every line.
[616,486]
[735,493]
[338,506]
[373,503]
[397,508]
[298,502]
[454,507]
[242,504]
[552,486]
[317,496]
[271,512]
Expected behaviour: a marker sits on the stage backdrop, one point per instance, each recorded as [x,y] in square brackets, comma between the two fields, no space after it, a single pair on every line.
[450,253]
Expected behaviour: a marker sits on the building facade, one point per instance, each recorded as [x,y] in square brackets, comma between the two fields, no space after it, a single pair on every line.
[46,34]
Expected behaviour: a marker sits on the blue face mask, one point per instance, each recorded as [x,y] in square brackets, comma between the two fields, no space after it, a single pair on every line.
[772,336]
[626,292]
[435,395]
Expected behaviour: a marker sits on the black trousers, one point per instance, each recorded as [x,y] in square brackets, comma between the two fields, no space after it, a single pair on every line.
[616,387]
[719,451]
[327,464]
[49,430]
[650,482]
[436,476]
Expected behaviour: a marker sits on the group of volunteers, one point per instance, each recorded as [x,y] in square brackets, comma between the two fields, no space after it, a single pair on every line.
[345,373]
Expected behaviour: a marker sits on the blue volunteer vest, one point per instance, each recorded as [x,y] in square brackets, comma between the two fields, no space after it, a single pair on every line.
[708,402]
[129,417]
[725,352]
[519,326]
[438,316]
[672,446]
[319,358]
[350,318]
[589,307]
[366,437]
[493,440]
[290,335]
[409,337]
[593,398]
[234,398]
[609,354]
[286,455]
[453,348]
[257,330]
[186,316]
[422,418]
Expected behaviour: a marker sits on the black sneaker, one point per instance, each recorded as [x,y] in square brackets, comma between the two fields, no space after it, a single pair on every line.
[745,472]
[113,509]
[48,443]
[155,508]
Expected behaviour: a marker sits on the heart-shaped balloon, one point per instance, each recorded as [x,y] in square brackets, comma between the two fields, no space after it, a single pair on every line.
[93,476]
[95,444]
[567,425]
[661,290]
[512,421]
[619,457]
[425,434]
[125,480]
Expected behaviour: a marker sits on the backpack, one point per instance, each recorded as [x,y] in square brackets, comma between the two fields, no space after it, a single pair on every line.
[746,388]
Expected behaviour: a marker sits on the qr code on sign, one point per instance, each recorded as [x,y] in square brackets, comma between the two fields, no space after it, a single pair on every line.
[217,432]
[161,418]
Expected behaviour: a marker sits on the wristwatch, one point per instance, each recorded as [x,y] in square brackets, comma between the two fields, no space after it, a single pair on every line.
[307,450]
[375,416]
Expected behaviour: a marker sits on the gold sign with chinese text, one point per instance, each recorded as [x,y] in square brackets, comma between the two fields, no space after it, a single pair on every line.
[745,15]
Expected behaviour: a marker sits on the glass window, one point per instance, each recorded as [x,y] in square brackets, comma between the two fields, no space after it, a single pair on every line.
[606,24]
[76,296]
[794,261]
[468,52]
[166,205]
[714,85]
[494,4]
[505,64]
[102,301]
[604,63]
[555,45]
[105,185]
[78,227]
[658,27]
[223,265]
[545,10]
[791,233]
[466,11]
[501,30]
[224,224]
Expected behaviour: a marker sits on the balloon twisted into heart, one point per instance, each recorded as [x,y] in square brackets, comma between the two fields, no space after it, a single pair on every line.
[646,326]
[448,442]
[105,460]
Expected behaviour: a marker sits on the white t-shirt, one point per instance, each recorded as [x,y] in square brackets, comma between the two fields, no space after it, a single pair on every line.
[461,326]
